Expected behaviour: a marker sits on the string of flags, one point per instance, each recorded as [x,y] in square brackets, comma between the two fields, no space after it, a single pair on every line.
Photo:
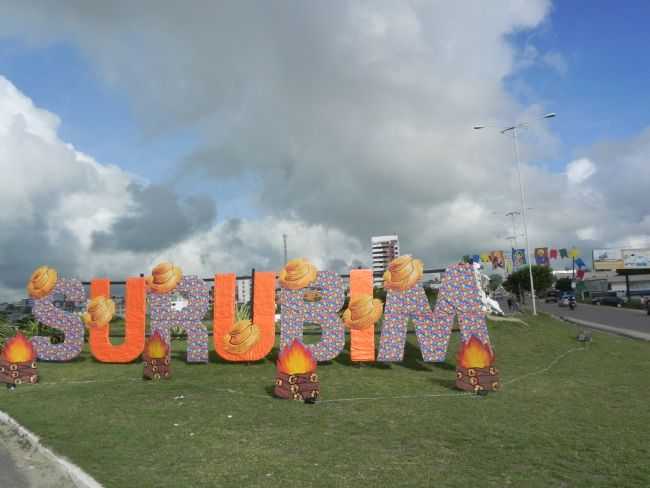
[542,257]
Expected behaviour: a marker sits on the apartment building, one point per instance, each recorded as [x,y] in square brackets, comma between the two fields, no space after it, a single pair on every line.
[383,250]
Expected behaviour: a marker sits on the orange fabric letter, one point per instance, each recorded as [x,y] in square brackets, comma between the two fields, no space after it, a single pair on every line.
[134,323]
[362,342]
[264,313]
[244,340]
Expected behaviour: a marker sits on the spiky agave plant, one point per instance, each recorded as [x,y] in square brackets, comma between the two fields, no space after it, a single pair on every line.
[6,331]
[242,311]
[29,328]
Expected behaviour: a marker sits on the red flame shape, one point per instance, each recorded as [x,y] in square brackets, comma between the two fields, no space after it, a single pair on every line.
[475,354]
[156,347]
[296,359]
[18,350]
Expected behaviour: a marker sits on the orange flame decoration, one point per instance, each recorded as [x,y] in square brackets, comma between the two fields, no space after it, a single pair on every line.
[156,347]
[18,350]
[296,359]
[475,354]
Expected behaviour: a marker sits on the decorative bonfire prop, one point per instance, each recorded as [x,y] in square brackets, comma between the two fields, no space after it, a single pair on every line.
[18,362]
[296,374]
[156,362]
[475,371]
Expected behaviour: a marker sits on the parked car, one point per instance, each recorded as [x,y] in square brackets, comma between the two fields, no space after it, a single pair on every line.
[646,303]
[608,300]
[552,296]
[566,299]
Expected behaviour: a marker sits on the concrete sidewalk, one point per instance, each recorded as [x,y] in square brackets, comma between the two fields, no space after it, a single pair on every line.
[633,334]
[10,475]
[26,463]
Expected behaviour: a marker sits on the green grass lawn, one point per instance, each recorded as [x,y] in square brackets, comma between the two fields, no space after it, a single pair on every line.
[568,416]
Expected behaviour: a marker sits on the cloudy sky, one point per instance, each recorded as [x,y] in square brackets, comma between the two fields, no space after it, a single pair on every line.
[199,132]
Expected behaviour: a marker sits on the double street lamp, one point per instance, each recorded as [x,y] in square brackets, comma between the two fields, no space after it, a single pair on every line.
[514,129]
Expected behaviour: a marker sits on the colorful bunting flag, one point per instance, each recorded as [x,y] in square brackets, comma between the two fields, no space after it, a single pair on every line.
[574,253]
[553,254]
[563,253]
[541,256]
[496,257]
[518,257]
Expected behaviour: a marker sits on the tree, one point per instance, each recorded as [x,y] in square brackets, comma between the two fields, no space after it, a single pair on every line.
[520,280]
[495,281]
[563,284]
[432,296]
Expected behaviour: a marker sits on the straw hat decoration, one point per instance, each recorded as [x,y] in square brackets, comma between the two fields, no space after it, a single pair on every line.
[42,282]
[403,273]
[164,278]
[298,273]
[99,312]
[362,312]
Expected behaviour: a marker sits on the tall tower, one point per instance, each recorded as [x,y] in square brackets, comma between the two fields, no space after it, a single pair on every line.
[383,249]
[284,240]
[244,291]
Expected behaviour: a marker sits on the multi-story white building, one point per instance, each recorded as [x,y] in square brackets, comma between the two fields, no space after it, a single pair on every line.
[243,291]
[119,305]
[384,250]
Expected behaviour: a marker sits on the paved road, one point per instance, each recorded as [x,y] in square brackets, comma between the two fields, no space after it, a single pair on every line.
[620,318]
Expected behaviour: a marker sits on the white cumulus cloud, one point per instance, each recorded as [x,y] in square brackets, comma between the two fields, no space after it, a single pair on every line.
[580,170]
[352,118]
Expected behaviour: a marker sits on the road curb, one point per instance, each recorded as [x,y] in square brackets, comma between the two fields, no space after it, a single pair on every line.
[632,334]
[78,476]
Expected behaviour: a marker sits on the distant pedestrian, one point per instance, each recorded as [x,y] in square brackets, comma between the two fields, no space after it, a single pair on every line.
[510,304]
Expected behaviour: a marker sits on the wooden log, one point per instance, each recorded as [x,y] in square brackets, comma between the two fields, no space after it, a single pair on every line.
[477,379]
[156,369]
[297,387]
[18,373]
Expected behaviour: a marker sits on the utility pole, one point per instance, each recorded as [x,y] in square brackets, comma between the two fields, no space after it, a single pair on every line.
[284,239]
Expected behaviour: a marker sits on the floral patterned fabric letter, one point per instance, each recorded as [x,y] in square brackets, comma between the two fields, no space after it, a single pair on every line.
[458,296]
[164,317]
[71,325]
[400,306]
[296,310]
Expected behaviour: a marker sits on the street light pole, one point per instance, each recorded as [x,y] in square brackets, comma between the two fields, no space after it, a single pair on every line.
[523,215]
[284,240]
[514,129]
